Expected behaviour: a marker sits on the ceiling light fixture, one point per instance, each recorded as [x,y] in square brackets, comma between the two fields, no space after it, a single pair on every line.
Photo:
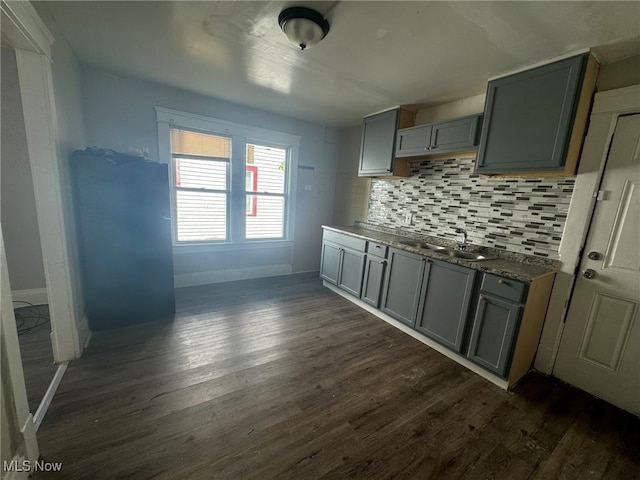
[303,26]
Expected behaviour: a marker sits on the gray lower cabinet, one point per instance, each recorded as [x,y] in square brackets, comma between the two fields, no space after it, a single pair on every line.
[447,291]
[342,261]
[330,262]
[403,280]
[493,333]
[351,269]
[373,280]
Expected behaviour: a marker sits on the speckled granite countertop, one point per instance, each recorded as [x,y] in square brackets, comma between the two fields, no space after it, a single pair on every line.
[515,266]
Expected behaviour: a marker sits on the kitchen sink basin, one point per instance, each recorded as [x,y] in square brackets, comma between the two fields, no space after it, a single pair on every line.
[473,257]
[418,244]
[451,252]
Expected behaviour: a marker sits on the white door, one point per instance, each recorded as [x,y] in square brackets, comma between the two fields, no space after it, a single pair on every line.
[600,347]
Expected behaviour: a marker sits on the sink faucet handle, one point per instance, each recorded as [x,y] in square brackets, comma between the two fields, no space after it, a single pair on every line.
[462,245]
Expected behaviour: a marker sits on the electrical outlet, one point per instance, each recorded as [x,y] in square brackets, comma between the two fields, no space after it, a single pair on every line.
[408,218]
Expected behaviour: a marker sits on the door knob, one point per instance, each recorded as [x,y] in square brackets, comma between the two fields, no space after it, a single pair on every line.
[594,255]
[589,273]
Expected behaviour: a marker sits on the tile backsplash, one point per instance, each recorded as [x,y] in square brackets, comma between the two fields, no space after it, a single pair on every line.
[524,215]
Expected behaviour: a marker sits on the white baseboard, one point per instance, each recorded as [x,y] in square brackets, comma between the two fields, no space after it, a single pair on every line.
[36,296]
[48,396]
[219,276]
[500,382]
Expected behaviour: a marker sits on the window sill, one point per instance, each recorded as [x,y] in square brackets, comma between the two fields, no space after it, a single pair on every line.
[227,246]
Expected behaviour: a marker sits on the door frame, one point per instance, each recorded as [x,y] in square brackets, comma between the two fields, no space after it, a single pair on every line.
[27,34]
[607,108]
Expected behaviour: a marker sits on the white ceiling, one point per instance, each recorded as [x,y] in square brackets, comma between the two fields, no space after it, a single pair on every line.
[376,55]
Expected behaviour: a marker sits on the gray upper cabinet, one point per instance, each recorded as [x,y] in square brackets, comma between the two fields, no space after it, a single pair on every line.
[455,135]
[377,150]
[402,285]
[534,120]
[447,291]
[413,141]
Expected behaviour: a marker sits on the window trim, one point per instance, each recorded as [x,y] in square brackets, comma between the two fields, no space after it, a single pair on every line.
[240,135]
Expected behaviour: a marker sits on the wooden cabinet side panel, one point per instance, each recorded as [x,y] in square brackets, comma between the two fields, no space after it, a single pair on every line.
[531,327]
[582,116]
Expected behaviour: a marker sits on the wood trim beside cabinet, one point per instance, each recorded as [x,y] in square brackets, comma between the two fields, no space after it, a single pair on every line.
[530,327]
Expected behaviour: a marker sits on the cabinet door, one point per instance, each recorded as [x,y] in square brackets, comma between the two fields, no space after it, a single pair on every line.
[330,262]
[494,331]
[456,135]
[529,118]
[413,141]
[378,143]
[351,270]
[402,285]
[373,280]
[447,291]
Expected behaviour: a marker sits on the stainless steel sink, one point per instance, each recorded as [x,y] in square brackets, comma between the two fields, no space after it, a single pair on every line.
[419,244]
[451,252]
[473,257]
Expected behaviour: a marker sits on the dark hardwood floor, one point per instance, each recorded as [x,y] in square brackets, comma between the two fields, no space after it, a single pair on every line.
[280,378]
[34,337]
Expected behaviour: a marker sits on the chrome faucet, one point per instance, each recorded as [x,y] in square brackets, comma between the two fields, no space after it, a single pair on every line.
[462,245]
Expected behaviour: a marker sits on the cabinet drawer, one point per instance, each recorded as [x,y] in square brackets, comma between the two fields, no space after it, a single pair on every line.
[377,249]
[503,287]
[345,240]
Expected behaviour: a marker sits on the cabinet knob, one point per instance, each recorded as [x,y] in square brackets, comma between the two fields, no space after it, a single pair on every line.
[383,262]
[501,282]
[481,298]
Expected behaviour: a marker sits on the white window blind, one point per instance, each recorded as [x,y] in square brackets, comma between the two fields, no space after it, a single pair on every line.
[230,183]
[201,185]
[266,169]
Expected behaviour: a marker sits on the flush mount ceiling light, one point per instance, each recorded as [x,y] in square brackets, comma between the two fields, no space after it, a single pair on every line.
[303,26]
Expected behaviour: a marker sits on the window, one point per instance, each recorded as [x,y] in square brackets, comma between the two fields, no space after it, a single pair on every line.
[230,183]
[201,185]
[265,192]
